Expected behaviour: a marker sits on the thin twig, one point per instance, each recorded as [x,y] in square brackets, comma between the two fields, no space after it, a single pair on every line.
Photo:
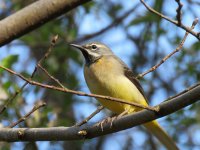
[116,22]
[36,107]
[79,93]
[61,85]
[185,91]
[172,53]
[4,107]
[178,12]
[188,29]
[157,13]
[51,77]
[53,41]
[90,116]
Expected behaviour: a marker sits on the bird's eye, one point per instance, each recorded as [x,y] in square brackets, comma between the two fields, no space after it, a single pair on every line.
[94,47]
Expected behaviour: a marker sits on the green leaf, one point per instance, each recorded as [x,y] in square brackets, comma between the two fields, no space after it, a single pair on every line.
[158,5]
[196,46]
[9,61]
[144,19]
[7,85]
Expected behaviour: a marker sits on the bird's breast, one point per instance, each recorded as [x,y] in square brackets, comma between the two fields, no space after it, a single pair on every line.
[101,75]
[105,77]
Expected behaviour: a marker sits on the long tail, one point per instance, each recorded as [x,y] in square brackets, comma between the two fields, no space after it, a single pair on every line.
[161,135]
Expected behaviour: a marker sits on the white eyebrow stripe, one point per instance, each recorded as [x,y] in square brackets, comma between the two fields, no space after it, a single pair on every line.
[93,53]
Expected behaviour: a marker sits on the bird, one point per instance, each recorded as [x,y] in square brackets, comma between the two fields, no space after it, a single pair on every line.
[106,74]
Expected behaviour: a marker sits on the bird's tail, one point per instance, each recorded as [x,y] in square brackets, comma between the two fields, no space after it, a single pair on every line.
[161,135]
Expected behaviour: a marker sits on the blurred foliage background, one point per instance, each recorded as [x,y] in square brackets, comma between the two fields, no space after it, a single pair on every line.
[140,38]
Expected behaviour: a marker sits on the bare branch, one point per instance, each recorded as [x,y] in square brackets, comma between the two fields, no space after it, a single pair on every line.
[116,22]
[172,53]
[79,93]
[90,116]
[77,133]
[53,42]
[33,16]
[36,107]
[185,91]
[196,34]
[179,13]
[4,107]
[50,76]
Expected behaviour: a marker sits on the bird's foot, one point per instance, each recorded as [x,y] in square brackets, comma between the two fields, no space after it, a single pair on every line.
[106,120]
[111,119]
[89,117]
[117,117]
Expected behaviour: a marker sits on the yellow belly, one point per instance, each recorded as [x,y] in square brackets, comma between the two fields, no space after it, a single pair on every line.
[114,84]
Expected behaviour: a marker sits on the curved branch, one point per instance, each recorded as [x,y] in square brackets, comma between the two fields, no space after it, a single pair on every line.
[77,133]
[171,54]
[116,22]
[33,16]
[188,29]
[79,93]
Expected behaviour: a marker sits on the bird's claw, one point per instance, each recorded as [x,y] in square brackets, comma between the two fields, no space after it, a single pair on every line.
[106,120]
[111,120]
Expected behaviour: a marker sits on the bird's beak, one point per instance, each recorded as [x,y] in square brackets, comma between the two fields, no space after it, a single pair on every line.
[78,47]
[83,50]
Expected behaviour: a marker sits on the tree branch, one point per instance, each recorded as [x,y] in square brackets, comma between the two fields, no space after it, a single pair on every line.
[171,54]
[53,42]
[178,12]
[33,16]
[36,107]
[116,22]
[90,116]
[79,93]
[196,34]
[77,133]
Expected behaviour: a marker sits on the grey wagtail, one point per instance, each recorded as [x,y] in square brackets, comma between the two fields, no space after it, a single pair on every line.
[106,74]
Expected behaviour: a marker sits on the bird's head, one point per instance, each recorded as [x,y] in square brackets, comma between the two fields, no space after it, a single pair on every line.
[93,51]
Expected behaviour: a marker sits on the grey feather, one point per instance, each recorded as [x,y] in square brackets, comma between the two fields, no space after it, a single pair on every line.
[130,75]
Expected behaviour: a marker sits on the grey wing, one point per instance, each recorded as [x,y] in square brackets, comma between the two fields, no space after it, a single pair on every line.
[129,74]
